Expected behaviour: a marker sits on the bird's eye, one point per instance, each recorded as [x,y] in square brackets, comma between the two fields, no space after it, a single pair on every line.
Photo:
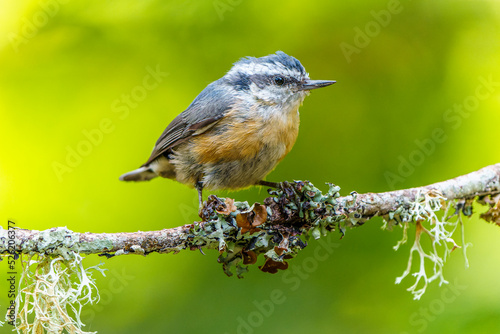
[279,81]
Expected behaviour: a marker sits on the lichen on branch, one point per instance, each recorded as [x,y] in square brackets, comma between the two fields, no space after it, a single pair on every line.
[279,228]
[54,290]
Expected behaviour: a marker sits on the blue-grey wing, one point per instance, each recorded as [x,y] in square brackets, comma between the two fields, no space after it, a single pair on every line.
[206,109]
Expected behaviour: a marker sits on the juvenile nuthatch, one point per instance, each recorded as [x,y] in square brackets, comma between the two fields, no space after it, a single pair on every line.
[237,130]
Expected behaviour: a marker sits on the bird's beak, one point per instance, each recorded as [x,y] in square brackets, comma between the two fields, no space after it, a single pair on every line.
[313,84]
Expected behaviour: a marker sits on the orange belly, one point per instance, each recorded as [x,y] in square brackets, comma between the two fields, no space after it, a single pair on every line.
[229,140]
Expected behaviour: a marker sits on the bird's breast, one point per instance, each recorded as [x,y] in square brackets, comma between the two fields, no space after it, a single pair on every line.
[234,138]
[280,132]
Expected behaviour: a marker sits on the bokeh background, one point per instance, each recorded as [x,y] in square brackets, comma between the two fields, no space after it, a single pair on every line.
[74,69]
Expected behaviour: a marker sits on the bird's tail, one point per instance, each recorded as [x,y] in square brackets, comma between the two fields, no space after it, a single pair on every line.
[140,174]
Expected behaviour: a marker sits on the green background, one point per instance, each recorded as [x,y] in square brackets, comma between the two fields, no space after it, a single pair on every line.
[61,75]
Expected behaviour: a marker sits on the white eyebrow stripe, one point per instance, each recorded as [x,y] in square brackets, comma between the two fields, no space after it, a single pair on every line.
[264,69]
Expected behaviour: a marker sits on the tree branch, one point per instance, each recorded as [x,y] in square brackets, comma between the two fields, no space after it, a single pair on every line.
[242,232]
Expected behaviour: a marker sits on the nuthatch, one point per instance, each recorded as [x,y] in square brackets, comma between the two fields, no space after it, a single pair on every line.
[237,130]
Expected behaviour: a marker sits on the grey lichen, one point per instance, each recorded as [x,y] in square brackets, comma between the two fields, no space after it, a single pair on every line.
[440,231]
[55,241]
[242,233]
[53,291]
[96,246]
[275,231]
[279,228]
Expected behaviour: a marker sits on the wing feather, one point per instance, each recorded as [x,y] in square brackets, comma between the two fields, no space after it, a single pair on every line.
[204,112]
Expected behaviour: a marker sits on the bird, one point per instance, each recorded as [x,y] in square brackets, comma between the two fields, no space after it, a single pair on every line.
[236,130]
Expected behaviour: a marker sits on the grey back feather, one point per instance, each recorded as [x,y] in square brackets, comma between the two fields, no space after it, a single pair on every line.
[206,109]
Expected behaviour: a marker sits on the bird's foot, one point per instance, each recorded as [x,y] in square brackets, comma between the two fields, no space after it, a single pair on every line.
[289,189]
[210,207]
[285,191]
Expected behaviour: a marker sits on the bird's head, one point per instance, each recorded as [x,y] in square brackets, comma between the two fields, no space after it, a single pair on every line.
[273,80]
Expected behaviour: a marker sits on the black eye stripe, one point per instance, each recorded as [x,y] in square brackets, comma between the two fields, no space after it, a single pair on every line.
[262,80]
